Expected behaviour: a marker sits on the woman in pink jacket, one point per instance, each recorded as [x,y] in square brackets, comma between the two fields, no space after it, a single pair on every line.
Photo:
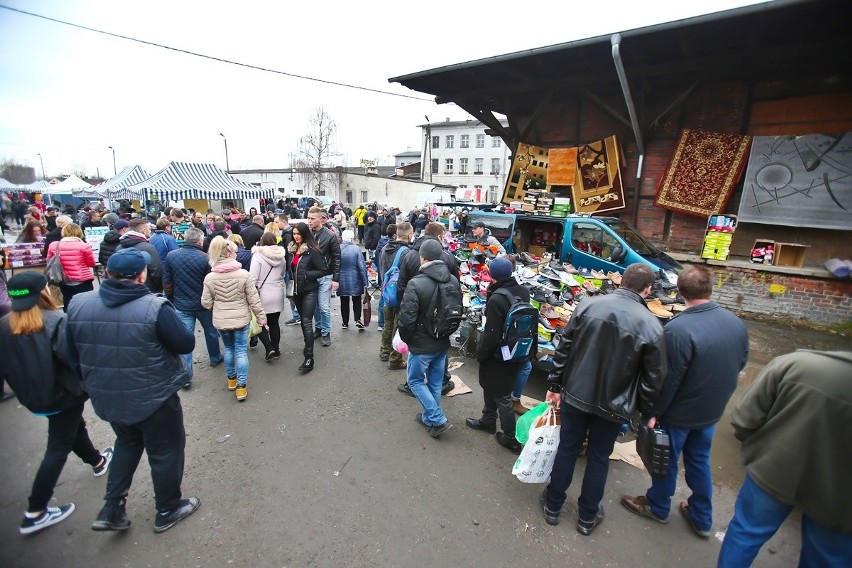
[77,261]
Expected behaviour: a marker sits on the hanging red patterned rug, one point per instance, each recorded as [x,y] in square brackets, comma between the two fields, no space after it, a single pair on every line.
[704,170]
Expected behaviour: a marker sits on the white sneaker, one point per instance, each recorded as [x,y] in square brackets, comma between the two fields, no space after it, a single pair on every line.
[380,328]
[107,455]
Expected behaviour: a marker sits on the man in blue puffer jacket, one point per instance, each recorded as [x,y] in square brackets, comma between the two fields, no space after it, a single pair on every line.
[183,280]
[126,343]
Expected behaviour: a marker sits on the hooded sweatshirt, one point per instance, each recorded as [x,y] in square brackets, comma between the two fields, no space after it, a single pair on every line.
[268,266]
[132,239]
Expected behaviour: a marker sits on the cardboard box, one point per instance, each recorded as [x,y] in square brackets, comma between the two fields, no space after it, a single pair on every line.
[536,250]
[528,207]
[762,258]
[789,254]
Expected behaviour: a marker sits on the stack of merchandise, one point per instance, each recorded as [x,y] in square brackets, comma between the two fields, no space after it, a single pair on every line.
[718,238]
[561,207]
[20,255]
[544,204]
[530,201]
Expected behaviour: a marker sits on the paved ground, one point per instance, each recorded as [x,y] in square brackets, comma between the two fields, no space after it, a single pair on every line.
[329,469]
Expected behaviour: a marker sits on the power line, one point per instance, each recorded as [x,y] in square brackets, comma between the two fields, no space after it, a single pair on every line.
[219,59]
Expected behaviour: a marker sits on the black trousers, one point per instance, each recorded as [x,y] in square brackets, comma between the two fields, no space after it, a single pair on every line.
[306,303]
[499,406]
[271,339]
[344,308]
[69,292]
[66,433]
[162,436]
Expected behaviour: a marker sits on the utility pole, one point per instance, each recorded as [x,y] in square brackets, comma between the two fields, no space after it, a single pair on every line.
[114,170]
[227,164]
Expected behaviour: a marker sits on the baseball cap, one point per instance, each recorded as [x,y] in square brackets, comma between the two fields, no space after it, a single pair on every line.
[430,250]
[24,290]
[120,224]
[127,263]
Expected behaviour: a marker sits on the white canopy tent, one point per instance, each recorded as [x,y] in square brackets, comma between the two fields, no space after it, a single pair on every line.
[185,180]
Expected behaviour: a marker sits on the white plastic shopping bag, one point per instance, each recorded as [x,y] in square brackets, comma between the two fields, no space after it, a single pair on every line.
[398,344]
[536,460]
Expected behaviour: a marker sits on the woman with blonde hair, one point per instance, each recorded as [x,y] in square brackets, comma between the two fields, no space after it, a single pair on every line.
[230,292]
[272,227]
[34,359]
[77,261]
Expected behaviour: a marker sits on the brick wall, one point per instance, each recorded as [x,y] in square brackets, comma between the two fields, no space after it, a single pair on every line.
[813,299]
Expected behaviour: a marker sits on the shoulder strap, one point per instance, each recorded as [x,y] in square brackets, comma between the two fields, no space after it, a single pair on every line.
[271,268]
[508,295]
[397,257]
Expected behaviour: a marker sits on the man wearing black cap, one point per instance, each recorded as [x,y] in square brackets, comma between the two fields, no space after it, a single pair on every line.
[128,343]
[111,239]
[483,237]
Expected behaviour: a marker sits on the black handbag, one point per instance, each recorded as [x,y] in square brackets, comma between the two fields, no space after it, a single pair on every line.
[652,445]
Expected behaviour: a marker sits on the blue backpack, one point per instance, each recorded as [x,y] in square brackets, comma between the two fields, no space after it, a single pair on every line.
[520,332]
[390,281]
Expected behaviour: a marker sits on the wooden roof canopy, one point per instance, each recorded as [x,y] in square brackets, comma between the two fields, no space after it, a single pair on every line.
[806,40]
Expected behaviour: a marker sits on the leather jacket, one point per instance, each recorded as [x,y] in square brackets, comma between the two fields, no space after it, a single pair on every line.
[330,249]
[611,360]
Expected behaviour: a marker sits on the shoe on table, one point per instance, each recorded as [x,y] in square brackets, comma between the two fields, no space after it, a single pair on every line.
[478,424]
[448,386]
[586,528]
[436,431]
[519,407]
[232,383]
[293,321]
[509,442]
[656,308]
[111,518]
[101,469]
[398,366]
[405,389]
[684,510]
[326,340]
[164,522]
[550,517]
[242,392]
[639,505]
[360,325]
[50,516]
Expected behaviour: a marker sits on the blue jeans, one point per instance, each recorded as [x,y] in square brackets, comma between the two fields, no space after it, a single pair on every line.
[211,335]
[236,353]
[381,311]
[521,381]
[757,515]
[322,317]
[602,435]
[694,444]
[428,366]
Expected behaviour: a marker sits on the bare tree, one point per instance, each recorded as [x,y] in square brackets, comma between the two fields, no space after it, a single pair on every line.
[316,152]
[17,173]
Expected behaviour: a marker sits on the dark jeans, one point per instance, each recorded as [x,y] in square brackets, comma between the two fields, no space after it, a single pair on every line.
[69,292]
[162,436]
[306,303]
[502,406]
[344,308]
[271,339]
[602,435]
[66,432]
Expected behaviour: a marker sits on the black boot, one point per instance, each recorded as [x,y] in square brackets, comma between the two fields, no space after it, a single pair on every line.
[308,365]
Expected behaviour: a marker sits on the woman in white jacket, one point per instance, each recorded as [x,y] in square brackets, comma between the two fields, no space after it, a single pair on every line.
[268,265]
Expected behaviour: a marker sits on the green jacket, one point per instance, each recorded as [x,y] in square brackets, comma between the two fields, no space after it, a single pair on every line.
[795,424]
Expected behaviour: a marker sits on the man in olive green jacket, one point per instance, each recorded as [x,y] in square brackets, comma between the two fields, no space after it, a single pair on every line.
[794,424]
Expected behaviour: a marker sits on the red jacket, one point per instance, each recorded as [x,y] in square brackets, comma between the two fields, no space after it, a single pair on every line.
[76,257]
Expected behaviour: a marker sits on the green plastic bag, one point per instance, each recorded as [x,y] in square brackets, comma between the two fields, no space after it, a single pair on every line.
[525,422]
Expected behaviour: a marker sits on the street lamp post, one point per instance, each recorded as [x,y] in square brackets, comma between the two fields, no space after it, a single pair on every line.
[114,170]
[40,159]
[227,164]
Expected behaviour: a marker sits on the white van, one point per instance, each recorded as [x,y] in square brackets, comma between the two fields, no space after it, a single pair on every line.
[425,197]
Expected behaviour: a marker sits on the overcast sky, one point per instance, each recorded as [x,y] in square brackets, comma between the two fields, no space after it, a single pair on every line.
[69,93]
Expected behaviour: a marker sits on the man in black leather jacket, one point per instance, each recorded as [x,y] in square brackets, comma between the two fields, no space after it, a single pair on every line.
[330,248]
[610,362]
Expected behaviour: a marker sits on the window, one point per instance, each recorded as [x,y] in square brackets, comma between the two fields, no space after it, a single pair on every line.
[434,165]
[495,142]
[436,141]
[480,140]
[464,141]
[451,141]
[349,195]
[448,165]
[462,165]
[492,193]
[477,165]
[364,197]
[462,187]
[495,166]
[591,239]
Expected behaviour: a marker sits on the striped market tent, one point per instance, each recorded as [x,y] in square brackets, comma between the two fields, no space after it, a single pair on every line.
[116,186]
[185,180]
[7,185]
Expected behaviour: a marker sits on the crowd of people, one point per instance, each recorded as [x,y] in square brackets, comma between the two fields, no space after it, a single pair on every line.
[239,275]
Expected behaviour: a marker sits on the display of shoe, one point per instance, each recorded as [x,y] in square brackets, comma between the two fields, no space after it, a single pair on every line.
[242,392]
[293,321]
[509,442]
[586,528]
[477,424]
[598,275]
[50,516]
[436,431]
[569,268]
[232,383]
[543,323]
[307,366]
[102,468]
[405,389]
[326,340]
[550,517]
[615,277]
[590,287]
[639,506]
[163,522]
[663,297]
[657,309]
[111,518]
[360,325]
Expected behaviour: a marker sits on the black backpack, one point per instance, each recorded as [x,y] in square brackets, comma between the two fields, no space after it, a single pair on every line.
[445,312]
[520,332]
